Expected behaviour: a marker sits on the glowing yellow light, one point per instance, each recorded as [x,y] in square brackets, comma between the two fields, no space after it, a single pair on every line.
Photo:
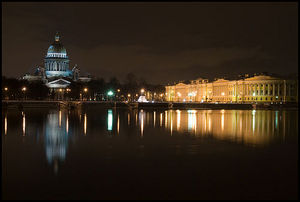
[222,93]
[67,125]
[5,125]
[85,123]
[60,90]
[85,89]
[118,90]
[128,95]
[24,124]
[178,119]
[59,118]
[154,117]
[24,89]
[118,124]
[142,90]
[6,89]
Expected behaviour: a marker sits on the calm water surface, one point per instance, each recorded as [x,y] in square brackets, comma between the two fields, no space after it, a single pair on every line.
[100,153]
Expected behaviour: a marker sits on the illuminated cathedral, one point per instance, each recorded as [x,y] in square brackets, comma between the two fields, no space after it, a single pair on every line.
[56,73]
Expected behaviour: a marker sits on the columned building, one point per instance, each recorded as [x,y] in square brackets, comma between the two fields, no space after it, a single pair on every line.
[56,60]
[255,89]
[56,73]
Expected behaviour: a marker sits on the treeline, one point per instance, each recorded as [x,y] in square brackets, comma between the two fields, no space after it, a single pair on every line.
[96,89]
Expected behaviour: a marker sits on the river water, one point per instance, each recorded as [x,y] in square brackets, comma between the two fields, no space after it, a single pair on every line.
[101,153]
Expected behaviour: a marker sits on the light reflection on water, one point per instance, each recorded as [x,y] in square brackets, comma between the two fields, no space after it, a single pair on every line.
[249,127]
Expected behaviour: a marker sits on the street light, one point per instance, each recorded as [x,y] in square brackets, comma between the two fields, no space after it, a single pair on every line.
[85,89]
[118,90]
[142,90]
[24,90]
[6,89]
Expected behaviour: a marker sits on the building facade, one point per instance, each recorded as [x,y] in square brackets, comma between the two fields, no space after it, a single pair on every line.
[56,73]
[256,89]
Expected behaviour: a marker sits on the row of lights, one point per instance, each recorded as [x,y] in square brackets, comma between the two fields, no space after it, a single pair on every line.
[23,89]
[110,93]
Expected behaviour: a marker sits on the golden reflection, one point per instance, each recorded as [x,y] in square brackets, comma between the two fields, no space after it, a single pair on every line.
[128,118]
[118,124]
[24,124]
[154,116]
[5,125]
[67,124]
[160,119]
[171,117]
[136,118]
[85,123]
[178,119]
[142,122]
[59,118]
[235,125]
[166,118]
[222,121]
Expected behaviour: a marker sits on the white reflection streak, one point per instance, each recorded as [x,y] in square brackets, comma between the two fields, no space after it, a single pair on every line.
[160,119]
[118,124]
[85,122]
[154,116]
[24,124]
[178,119]
[5,125]
[109,120]
[192,120]
[253,120]
[142,123]
[59,118]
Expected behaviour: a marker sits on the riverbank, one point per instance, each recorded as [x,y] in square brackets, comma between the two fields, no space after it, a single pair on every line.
[20,104]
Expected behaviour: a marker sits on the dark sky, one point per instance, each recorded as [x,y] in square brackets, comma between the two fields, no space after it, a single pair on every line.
[160,42]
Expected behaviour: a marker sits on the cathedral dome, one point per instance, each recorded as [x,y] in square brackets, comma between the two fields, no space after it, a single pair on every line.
[56,49]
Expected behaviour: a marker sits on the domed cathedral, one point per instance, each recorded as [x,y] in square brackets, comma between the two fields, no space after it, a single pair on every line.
[56,73]
[56,60]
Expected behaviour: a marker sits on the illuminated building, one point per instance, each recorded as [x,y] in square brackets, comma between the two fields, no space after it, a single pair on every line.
[256,89]
[56,73]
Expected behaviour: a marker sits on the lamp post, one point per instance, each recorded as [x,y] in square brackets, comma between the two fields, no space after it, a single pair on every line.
[85,90]
[24,91]
[128,97]
[6,95]
[109,94]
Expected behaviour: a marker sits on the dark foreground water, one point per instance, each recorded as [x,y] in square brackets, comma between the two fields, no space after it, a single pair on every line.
[149,154]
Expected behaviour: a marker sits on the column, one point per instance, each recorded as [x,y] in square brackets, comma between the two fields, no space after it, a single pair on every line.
[264,89]
[274,89]
[269,89]
[258,90]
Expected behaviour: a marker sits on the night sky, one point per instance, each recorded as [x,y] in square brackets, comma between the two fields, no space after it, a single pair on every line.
[160,42]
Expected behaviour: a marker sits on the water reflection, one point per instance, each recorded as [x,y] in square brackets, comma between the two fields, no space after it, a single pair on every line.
[5,125]
[109,120]
[56,139]
[23,124]
[255,127]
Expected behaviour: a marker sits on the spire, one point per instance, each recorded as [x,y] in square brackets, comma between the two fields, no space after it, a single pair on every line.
[56,36]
